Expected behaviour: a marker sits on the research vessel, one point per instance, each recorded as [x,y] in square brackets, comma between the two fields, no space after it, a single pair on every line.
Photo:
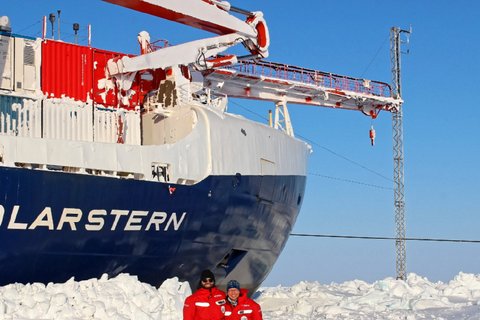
[118,163]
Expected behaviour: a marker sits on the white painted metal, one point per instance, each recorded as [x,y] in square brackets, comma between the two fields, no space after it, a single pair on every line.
[203,11]
[219,144]
[67,119]
[20,71]
[72,120]
[233,83]
[203,15]
[87,139]
[192,52]
[27,64]
[110,125]
[240,145]
[282,116]
[5,24]
[29,124]
[7,62]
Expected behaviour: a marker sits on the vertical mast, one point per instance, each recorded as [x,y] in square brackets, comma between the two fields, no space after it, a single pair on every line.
[398,170]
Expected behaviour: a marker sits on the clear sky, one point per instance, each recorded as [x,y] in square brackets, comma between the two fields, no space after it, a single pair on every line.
[441,125]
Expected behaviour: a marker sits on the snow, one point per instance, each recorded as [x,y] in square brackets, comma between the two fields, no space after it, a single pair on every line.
[124,297]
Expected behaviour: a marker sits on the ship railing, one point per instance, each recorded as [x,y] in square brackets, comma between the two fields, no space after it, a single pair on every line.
[158,44]
[313,77]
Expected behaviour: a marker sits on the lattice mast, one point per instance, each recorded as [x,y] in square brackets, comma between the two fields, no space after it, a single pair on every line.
[398,169]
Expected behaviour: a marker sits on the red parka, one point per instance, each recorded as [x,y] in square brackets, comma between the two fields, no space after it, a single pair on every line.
[204,304]
[246,309]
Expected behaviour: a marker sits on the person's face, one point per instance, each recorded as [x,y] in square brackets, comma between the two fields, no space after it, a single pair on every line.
[233,293]
[207,283]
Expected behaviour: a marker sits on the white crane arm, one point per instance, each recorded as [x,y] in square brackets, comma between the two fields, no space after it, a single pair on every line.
[207,15]
[212,16]
[195,52]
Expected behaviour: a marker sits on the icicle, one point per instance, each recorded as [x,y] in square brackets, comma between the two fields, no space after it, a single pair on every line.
[372,135]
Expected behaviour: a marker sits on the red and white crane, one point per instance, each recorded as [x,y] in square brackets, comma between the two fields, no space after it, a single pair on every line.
[246,76]
[208,15]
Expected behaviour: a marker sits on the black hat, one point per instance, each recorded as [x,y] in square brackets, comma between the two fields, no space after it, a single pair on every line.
[233,284]
[207,274]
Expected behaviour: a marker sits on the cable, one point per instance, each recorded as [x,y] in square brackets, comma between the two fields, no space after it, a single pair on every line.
[39,22]
[350,181]
[346,159]
[374,57]
[324,148]
[246,109]
[381,238]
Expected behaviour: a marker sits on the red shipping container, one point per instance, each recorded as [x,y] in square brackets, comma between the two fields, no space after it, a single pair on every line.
[144,82]
[66,70]
[103,93]
[79,72]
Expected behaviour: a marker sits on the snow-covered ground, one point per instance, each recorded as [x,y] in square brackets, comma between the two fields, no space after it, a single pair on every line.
[124,297]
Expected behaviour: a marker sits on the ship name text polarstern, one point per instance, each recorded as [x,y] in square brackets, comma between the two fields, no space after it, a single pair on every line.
[96,220]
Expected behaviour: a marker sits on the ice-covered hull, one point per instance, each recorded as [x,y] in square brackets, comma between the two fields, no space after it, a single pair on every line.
[55,225]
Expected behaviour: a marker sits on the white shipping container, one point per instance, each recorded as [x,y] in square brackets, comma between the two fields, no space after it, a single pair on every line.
[117,126]
[20,116]
[67,119]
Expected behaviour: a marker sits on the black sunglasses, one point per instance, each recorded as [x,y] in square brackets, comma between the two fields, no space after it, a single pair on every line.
[208,280]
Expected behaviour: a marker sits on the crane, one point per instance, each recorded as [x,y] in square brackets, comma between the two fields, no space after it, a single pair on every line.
[246,76]
[207,15]
[283,84]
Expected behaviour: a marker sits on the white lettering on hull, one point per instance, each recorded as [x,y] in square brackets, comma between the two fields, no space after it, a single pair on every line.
[71,216]
[176,223]
[96,222]
[73,219]
[44,219]
[135,220]
[118,214]
[2,211]
[13,224]
[157,219]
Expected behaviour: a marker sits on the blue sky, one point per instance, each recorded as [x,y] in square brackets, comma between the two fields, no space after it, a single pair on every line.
[441,125]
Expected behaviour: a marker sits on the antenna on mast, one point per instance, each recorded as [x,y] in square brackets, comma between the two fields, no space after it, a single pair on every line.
[52,21]
[58,23]
[76,27]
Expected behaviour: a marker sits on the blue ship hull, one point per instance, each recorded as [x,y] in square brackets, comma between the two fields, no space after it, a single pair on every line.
[55,225]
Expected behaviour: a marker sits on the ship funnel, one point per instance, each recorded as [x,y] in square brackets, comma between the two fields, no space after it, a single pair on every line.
[5,24]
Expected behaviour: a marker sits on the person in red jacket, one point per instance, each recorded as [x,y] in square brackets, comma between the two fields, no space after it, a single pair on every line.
[207,303]
[239,306]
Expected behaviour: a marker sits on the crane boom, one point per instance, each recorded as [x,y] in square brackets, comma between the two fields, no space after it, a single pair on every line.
[207,15]
[262,80]
[204,15]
